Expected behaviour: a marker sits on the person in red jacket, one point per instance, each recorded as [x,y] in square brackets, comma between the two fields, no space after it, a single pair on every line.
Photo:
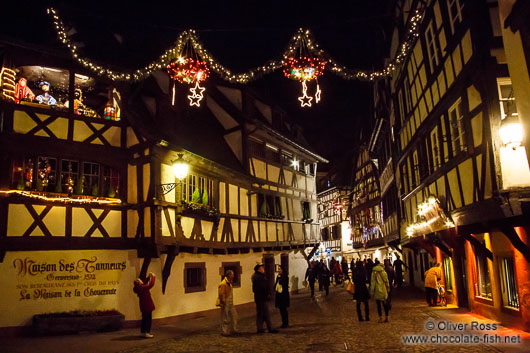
[146,302]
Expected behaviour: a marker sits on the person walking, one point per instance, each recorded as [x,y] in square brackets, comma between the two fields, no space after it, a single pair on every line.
[379,289]
[336,271]
[432,276]
[226,302]
[326,278]
[345,269]
[391,280]
[261,297]
[398,269]
[368,265]
[310,277]
[282,299]
[361,294]
[146,303]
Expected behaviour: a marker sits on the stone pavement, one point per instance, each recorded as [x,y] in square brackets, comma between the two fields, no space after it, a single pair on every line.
[319,325]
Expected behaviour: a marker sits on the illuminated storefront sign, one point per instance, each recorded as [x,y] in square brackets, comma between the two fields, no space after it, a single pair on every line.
[433,216]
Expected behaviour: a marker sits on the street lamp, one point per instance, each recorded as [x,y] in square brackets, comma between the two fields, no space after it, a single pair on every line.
[511,132]
[180,169]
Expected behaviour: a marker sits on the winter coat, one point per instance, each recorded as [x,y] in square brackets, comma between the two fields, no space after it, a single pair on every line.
[432,276]
[379,284]
[144,295]
[259,287]
[344,266]
[390,274]
[282,299]
[224,291]
[325,277]
[310,274]
[361,291]
[337,269]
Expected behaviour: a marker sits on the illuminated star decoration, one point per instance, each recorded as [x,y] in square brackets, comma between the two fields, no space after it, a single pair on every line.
[196,96]
[305,100]
[317,94]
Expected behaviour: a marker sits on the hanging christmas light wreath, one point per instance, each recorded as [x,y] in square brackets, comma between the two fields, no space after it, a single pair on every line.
[305,67]
[189,69]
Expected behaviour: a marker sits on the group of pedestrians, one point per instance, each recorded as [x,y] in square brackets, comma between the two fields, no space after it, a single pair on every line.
[371,279]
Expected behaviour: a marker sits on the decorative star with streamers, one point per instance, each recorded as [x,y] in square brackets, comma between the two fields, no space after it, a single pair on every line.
[305,100]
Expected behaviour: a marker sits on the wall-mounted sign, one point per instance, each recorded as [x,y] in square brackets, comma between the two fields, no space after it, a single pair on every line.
[64,276]
[433,219]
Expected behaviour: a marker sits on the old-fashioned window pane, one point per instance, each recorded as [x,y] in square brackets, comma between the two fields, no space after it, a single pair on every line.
[46,174]
[510,297]
[483,283]
[194,277]
[457,128]
[69,177]
[455,12]
[506,98]
[448,273]
[91,178]
[432,47]
[236,268]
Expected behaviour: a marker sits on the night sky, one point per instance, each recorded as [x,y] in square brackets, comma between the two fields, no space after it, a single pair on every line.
[241,35]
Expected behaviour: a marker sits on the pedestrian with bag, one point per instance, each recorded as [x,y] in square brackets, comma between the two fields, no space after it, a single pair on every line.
[379,289]
[282,299]
[225,300]
[146,303]
[432,276]
[261,298]
[361,293]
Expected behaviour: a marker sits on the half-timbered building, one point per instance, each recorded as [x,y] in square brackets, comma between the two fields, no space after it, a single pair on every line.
[89,200]
[463,182]
[332,216]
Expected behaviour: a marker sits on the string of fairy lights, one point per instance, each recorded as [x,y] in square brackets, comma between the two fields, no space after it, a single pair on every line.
[188,61]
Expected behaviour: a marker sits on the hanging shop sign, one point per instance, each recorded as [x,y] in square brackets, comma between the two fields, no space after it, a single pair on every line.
[433,219]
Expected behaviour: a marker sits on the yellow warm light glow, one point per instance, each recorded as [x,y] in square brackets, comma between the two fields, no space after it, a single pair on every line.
[180,168]
[61,198]
[511,133]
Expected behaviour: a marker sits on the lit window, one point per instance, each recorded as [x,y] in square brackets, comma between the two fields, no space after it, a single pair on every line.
[510,297]
[448,273]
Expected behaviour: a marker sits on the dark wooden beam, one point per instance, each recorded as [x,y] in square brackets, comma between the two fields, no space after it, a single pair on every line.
[166,272]
[145,266]
[478,245]
[517,243]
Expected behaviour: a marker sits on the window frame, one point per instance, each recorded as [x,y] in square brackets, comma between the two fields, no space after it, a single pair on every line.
[234,266]
[457,129]
[503,81]
[452,21]
[506,286]
[201,266]
[432,46]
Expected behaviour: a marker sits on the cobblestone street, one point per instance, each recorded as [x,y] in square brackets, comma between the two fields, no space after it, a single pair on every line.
[319,325]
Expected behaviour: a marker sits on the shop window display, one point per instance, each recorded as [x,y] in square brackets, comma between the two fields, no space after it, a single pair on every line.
[49,87]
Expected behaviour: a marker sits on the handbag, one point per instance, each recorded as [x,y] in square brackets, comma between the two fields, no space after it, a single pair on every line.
[279,288]
[305,283]
[350,288]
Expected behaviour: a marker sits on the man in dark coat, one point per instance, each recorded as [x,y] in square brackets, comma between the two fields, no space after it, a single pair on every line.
[282,299]
[398,269]
[146,303]
[261,296]
[310,277]
[345,270]
[361,291]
